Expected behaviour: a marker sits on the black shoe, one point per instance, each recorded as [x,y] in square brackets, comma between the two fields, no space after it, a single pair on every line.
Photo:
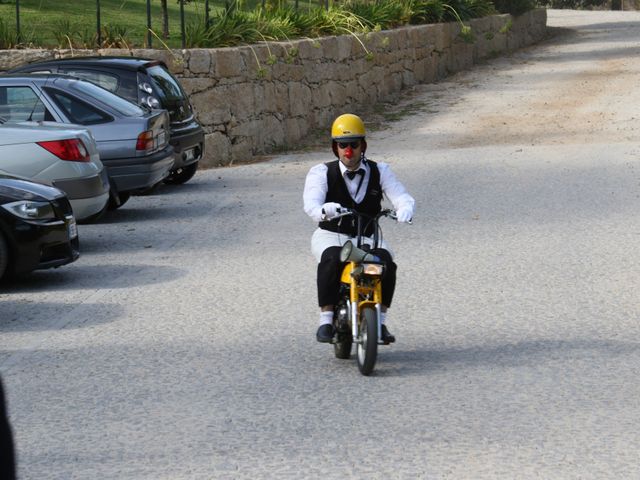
[386,335]
[325,333]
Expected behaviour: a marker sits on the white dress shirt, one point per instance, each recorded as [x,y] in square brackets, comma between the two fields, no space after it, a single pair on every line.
[315,194]
[315,188]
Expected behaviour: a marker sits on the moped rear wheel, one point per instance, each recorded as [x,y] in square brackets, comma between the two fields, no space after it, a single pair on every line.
[368,348]
[342,348]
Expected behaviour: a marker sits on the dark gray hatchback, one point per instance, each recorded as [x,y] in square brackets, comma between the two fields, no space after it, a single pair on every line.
[148,83]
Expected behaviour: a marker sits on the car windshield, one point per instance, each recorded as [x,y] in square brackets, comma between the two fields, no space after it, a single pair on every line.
[167,86]
[121,105]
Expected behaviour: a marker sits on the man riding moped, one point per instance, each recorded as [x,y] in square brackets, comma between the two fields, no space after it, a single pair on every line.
[356,183]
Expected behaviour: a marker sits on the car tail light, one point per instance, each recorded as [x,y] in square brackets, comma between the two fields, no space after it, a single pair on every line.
[71,149]
[145,141]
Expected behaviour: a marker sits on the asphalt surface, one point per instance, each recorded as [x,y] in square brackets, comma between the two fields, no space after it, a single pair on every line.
[181,344]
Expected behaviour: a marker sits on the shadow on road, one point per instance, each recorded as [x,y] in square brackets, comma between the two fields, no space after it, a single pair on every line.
[92,277]
[22,316]
[426,361]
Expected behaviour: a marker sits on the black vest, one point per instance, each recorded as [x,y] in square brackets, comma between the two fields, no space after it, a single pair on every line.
[337,192]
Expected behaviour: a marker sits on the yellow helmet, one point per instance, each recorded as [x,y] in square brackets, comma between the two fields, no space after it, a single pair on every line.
[347,127]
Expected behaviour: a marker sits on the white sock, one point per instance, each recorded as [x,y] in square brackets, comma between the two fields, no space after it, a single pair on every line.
[326,318]
[383,317]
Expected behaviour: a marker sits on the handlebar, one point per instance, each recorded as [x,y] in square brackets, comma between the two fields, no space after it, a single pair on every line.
[387,212]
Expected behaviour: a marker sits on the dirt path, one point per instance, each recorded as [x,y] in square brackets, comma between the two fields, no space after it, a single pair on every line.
[578,87]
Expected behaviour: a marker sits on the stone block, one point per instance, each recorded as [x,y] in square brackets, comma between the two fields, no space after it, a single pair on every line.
[288,72]
[213,105]
[442,36]
[321,96]
[229,62]
[217,151]
[300,97]
[269,133]
[309,49]
[242,101]
[337,93]
[241,151]
[199,60]
[344,47]
[194,85]
[329,47]
[294,130]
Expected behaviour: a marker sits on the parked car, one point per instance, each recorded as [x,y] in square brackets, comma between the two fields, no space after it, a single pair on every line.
[133,143]
[146,82]
[37,227]
[65,156]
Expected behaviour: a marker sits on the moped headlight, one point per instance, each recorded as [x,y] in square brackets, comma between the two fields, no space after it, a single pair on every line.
[372,268]
[30,210]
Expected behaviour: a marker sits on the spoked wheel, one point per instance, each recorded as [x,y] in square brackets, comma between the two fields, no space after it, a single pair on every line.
[368,349]
[342,348]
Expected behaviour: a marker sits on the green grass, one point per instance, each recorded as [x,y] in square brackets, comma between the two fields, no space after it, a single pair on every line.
[42,18]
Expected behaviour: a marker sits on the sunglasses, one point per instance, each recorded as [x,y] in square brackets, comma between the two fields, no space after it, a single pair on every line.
[354,144]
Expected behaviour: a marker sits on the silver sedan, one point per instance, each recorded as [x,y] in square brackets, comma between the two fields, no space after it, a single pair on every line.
[133,142]
[65,156]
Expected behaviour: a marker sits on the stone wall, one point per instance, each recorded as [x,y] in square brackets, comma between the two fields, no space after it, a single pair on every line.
[254,99]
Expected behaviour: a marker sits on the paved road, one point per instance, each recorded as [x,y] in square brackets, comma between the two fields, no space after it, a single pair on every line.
[180,345]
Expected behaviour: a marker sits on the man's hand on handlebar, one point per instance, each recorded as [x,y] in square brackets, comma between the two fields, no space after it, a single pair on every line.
[331,210]
[403,216]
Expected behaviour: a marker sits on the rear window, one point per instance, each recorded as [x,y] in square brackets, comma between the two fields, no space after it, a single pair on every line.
[122,83]
[76,110]
[121,105]
[166,85]
[105,80]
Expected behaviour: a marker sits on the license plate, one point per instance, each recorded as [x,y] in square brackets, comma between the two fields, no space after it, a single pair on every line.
[190,154]
[162,138]
[72,227]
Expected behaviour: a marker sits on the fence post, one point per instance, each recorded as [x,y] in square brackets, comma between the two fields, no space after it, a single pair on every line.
[148,23]
[18,21]
[98,23]
[182,24]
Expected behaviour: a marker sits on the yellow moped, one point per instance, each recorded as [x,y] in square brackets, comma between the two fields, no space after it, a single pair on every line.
[357,315]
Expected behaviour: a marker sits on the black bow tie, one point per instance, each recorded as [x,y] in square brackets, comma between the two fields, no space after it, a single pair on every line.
[352,174]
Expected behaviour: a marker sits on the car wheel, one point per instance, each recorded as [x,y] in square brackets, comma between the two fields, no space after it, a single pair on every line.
[122,199]
[4,256]
[181,175]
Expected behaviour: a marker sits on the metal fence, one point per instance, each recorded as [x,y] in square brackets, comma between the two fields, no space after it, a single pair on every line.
[149,35]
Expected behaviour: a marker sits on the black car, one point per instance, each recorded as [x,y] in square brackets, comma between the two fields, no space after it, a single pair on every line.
[145,82]
[37,227]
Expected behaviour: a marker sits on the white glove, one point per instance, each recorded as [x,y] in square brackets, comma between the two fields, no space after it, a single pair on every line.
[330,210]
[404,215]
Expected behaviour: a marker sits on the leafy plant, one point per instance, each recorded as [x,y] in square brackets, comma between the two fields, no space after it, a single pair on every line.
[115,36]
[64,31]
[8,36]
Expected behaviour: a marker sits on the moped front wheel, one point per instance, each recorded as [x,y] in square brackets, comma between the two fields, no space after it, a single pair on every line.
[368,346]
